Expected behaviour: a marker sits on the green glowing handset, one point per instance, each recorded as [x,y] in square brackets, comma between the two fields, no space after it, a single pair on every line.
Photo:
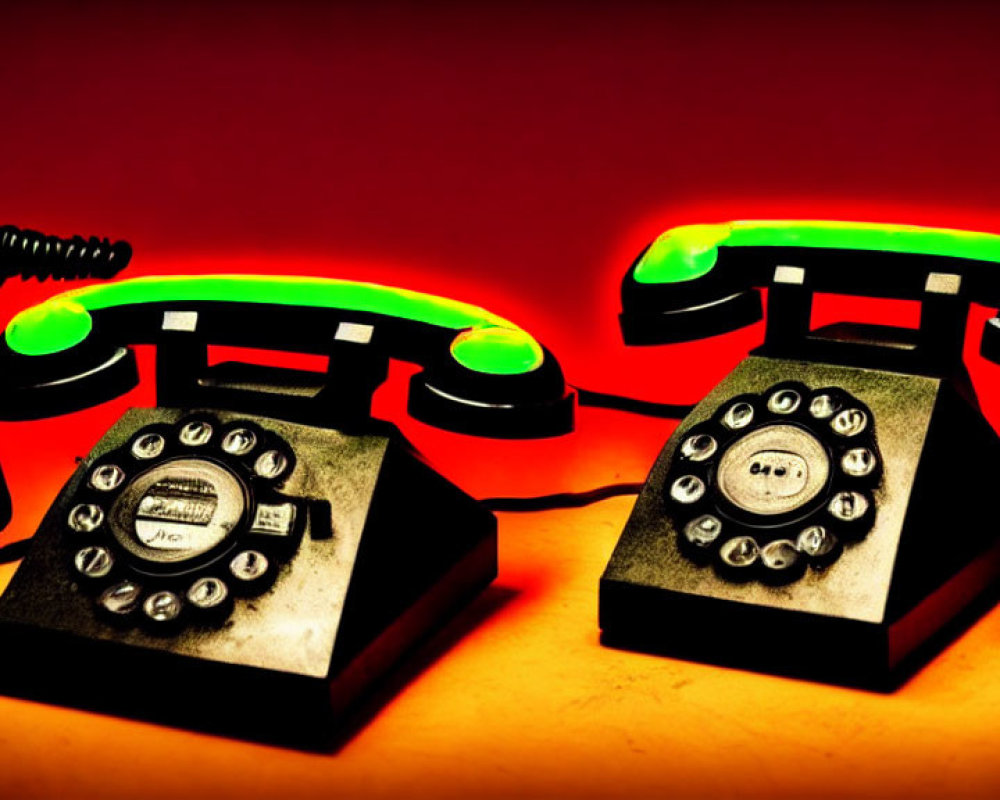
[482,374]
[698,280]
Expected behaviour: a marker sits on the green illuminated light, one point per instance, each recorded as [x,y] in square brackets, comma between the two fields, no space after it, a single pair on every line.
[690,251]
[488,343]
[50,327]
[500,351]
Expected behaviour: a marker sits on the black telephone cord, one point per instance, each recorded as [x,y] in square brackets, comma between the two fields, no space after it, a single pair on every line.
[587,397]
[547,502]
[631,405]
[14,551]
[31,254]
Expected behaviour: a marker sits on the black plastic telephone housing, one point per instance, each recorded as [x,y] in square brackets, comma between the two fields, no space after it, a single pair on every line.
[253,553]
[826,510]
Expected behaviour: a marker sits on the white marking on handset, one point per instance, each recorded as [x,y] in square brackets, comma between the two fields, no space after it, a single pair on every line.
[784,274]
[179,321]
[943,283]
[354,332]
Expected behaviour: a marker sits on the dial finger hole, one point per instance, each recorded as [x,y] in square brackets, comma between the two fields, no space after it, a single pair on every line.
[823,406]
[784,401]
[149,445]
[86,517]
[849,422]
[703,531]
[687,489]
[699,447]
[779,555]
[207,593]
[162,606]
[271,464]
[107,477]
[248,565]
[95,561]
[195,433]
[239,441]
[816,541]
[738,416]
[858,462]
[121,599]
[740,552]
[848,506]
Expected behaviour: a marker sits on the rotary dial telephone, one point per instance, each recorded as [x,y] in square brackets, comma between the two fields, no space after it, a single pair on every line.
[250,555]
[796,521]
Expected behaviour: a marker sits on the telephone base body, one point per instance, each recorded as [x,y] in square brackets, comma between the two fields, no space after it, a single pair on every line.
[384,550]
[872,614]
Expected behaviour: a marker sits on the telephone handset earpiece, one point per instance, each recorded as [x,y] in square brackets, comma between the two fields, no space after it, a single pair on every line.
[481,373]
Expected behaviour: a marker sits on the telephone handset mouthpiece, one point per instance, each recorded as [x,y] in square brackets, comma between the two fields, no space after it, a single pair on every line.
[481,373]
[699,280]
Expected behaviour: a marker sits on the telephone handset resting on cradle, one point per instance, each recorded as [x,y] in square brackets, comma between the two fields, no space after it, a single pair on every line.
[252,553]
[812,514]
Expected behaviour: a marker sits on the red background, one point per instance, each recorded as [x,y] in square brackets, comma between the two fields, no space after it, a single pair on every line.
[517,157]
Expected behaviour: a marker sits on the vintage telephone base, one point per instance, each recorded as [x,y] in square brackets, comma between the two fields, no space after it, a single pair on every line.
[388,550]
[864,618]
